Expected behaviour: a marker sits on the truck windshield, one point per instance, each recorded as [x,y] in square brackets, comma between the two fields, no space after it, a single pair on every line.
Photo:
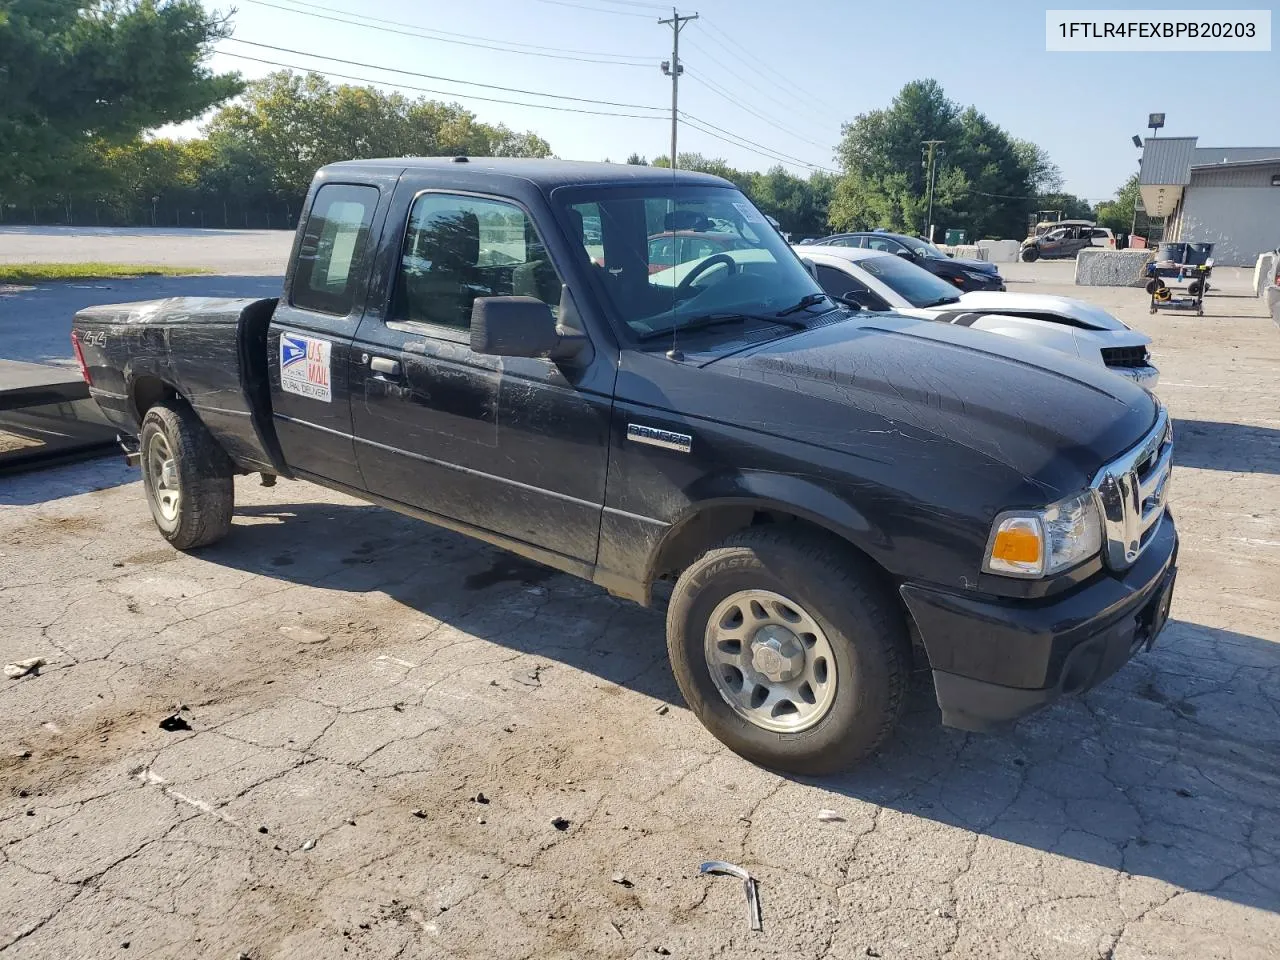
[668,257]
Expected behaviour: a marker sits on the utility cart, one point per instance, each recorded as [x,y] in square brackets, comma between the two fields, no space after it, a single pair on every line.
[1180,262]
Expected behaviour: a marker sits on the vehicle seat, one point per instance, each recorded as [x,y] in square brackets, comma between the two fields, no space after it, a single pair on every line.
[441,280]
[536,277]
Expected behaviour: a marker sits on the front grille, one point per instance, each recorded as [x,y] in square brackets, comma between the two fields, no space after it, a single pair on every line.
[1125,356]
[1132,493]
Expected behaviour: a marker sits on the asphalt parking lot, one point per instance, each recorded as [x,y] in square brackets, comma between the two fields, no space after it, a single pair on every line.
[390,724]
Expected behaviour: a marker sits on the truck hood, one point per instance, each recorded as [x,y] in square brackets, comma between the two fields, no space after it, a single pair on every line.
[1039,306]
[1050,418]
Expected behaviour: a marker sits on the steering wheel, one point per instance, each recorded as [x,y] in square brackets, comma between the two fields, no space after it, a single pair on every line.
[700,269]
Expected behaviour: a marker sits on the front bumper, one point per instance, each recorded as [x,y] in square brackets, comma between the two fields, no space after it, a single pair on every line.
[997,660]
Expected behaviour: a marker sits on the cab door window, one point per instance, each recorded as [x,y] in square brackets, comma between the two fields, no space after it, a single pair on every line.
[459,248]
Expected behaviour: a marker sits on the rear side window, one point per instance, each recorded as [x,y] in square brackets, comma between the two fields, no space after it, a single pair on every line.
[333,248]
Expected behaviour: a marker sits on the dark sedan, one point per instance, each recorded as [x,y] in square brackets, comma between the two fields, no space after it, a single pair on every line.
[964,274]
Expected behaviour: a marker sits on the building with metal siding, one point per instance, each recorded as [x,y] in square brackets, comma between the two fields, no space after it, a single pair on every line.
[1228,196]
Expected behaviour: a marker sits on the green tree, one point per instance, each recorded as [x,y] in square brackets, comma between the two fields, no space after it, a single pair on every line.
[76,73]
[985,181]
[1118,214]
[289,124]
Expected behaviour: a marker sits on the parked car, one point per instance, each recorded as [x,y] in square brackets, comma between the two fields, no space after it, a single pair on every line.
[817,485]
[680,246]
[880,281]
[1065,239]
[961,273]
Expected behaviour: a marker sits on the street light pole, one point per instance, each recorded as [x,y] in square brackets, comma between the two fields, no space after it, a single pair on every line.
[673,70]
[932,145]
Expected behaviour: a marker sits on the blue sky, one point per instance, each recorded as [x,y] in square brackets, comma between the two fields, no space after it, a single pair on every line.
[781,76]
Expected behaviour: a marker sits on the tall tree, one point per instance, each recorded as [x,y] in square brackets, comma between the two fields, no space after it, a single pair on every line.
[1118,214]
[291,124]
[76,72]
[984,180]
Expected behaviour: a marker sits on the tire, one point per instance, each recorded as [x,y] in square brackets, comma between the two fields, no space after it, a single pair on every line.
[1030,255]
[841,603]
[1194,287]
[192,500]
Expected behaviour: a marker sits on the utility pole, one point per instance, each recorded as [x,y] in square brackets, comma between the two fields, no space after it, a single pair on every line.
[932,145]
[673,69]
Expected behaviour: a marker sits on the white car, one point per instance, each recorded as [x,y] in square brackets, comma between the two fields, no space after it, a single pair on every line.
[880,281]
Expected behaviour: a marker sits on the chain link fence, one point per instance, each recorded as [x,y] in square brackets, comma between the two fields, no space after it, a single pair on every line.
[158,212]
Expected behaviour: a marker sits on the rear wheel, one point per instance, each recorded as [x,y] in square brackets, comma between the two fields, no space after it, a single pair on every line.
[789,651]
[1030,255]
[187,476]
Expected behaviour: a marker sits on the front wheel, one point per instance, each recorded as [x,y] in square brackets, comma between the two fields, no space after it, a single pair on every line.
[187,476]
[1030,255]
[789,651]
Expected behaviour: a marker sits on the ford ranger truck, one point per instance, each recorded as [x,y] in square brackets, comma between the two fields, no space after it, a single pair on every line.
[817,488]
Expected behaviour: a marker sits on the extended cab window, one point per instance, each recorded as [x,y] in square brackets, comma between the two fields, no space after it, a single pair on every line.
[333,248]
[459,248]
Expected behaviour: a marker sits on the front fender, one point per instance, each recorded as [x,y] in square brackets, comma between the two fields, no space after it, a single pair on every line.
[636,551]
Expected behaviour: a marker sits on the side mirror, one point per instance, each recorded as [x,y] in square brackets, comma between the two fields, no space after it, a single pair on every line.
[907,254]
[520,327]
[811,267]
[848,301]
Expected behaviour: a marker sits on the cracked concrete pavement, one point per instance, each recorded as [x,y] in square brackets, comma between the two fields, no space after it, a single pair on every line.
[354,679]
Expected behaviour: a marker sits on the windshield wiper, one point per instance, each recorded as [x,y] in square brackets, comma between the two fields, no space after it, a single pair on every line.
[808,300]
[940,302]
[716,319]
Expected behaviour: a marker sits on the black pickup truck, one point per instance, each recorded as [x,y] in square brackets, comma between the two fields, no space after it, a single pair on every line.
[824,487]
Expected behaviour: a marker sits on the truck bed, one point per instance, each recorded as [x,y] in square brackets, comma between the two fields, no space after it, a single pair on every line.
[209,350]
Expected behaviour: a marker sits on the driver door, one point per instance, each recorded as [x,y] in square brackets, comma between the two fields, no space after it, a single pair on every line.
[513,445]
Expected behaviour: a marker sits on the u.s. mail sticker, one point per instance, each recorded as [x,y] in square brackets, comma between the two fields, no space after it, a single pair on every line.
[304,366]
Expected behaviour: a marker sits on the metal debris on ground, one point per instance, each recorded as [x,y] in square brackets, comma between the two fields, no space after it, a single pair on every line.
[830,816]
[662,709]
[174,723]
[420,814]
[621,880]
[748,887]
[480,798]
[21,668]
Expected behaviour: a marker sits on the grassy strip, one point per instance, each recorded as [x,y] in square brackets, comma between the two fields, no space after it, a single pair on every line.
[28,273]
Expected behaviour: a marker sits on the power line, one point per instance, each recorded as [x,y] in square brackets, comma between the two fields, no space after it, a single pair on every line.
[750,144]
[421,35]
[763,65]
[737,102]
[581,6]
[443,93]
[747,81]
[432,76]
[463,36]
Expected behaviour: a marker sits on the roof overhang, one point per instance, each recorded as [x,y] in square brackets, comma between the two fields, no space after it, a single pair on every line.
[1160,200]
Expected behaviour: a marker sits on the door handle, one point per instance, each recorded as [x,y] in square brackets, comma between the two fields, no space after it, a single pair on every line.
[383,365]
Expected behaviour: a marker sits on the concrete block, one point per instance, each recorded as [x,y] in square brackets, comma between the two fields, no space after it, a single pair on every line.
[967,251]
[1272,297]
[1000,251]
[1264,272]
[1111,268]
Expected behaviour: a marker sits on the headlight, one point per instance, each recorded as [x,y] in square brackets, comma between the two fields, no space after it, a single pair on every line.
[1038,543]
[980,277]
